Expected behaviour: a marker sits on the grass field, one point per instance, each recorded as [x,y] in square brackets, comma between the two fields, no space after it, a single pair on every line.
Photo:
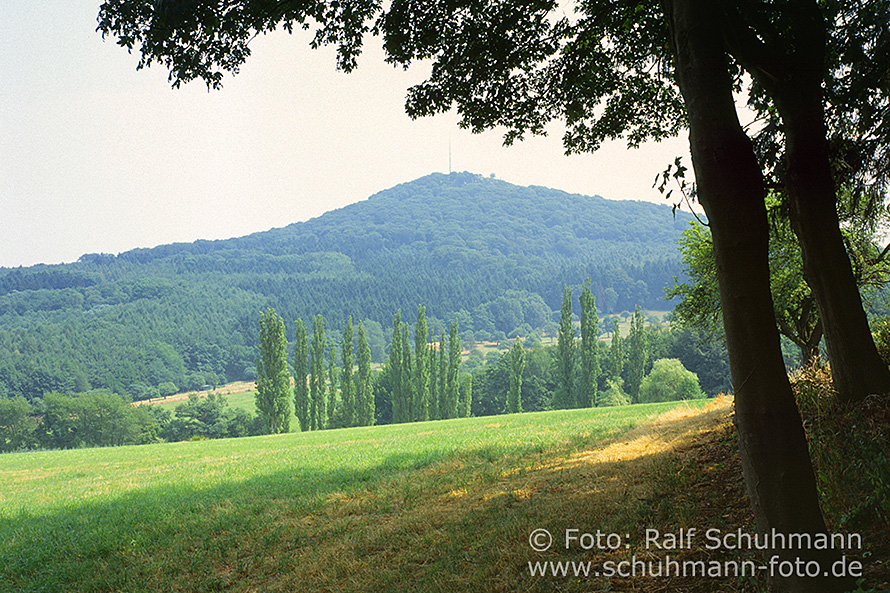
[236,398]
[436,506]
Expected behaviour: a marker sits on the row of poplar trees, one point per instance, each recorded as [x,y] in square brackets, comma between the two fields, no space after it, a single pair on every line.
[425,384]
[578,363]
[315,382]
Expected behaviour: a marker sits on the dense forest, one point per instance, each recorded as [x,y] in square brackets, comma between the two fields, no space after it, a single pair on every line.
[491,255]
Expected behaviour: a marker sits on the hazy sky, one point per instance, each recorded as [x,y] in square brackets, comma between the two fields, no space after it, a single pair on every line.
[97,157]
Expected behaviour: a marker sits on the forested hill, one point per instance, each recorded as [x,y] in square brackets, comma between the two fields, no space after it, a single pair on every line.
[493,255]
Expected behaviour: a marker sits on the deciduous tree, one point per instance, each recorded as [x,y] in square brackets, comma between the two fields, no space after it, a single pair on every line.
[637,356]
[517,366]
[333,376]
[466,395]
[452,385]
[273,378]
[421,368]
[616,352]
[590,364]
[364,392]
[565,358]
[347,394]
[317,375]
[301,371]
[395,369]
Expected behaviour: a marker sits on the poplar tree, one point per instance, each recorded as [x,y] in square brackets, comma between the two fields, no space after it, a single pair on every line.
[565,361]
[443,378]
[434,381]
[301,369]
[466,391]
[346,392]
[637,356]
[590,364]
[332,385]
[616,352]
[317,374]
[407,378]
[517,366]
[365,392]
[395,368]
[421,368]
[453,369]
[273,379]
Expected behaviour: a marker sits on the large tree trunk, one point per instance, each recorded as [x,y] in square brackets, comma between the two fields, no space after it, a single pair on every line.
[795,83]
[775,460]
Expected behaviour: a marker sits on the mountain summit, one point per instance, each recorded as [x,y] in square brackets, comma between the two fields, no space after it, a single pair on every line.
[491,254]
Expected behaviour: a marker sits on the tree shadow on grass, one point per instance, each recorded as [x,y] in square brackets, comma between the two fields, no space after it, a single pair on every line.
[434,521]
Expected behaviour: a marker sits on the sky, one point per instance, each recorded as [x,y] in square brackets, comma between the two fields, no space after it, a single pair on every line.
[96,157]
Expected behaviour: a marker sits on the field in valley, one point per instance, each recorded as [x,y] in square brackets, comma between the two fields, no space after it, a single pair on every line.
[436,506]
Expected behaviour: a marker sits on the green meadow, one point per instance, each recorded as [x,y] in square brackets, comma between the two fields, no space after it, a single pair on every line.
[272,512]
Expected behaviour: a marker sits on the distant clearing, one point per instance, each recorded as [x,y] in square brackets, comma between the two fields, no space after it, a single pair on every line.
[177,398]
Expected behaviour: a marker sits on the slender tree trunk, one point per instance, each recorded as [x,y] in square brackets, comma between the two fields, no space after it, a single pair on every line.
[775,460]
[856,367]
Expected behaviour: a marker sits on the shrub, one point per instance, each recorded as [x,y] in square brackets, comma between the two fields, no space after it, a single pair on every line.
[166,388]
[848,448]
[613,396]
[669,380]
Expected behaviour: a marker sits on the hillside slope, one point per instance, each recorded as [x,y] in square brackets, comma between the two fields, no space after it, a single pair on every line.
[493,255]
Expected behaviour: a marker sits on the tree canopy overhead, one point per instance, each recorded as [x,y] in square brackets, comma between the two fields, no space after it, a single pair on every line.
[605,70]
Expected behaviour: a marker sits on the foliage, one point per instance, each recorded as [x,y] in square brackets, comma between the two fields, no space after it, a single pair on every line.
[94,419]
[17,425]
[364,391]
[589,351]
[394,370]
[474,249]
[795,307]
[848,445]
[669,381]
[421,405]
[535,386]
[637,355]
[614,395]
[273,378]
[703,354]
[210,418]
[565,394]
[333,377]
[347,393]
[466,396]
[301,377]
[616,352]
[881,332]
[517,366]
[316,375]
[452,383]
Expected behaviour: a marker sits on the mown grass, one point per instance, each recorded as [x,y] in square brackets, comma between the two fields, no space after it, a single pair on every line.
[239,399]
[437,506]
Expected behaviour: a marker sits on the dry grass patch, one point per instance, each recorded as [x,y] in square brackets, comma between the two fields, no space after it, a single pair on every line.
[463,524]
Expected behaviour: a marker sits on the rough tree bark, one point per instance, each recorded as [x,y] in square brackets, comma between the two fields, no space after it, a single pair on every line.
[775,460]
[856,368]
[791,66]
